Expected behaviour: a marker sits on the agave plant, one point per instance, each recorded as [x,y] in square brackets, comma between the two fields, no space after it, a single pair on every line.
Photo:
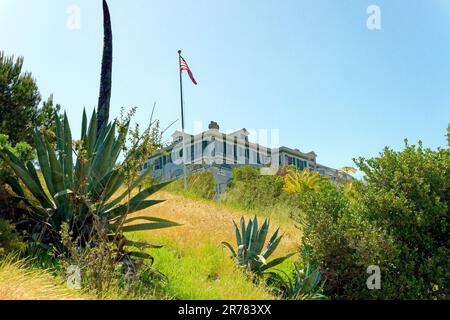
[250,241]
[304,284]
[296,181]
[83,192]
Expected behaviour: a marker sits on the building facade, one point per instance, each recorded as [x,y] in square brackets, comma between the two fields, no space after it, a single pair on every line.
[219,153]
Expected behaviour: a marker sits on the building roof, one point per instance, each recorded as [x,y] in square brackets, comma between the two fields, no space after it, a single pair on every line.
[296,152]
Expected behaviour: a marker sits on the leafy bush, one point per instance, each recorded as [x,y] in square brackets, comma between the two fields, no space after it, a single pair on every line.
[397,219]
[10,241]
[201,185]
[20,99]
[251,191]
[245,174]
[103,272]
[250,244]
[407,193]
[343,243]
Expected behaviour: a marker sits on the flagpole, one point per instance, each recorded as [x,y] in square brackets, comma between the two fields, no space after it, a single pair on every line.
[182,123]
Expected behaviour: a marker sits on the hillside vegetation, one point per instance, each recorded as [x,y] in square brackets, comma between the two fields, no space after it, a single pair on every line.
[197,266]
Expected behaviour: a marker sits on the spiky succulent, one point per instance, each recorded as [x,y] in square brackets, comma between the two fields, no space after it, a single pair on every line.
[305,284]
[250,253]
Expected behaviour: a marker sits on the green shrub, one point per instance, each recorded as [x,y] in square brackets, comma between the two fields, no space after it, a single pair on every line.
[200,185]
[407,193]
[344,243]
[245,174]
[397,219]
[251,191]
[10,241]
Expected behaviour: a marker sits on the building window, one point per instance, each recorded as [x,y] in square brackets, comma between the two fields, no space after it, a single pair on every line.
[204,145]
[224,146]
[158,164]
[235,149]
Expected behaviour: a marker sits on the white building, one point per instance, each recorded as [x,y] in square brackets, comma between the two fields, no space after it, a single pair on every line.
[220,153]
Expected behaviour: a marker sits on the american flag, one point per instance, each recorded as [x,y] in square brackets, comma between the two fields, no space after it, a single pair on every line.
[184,67]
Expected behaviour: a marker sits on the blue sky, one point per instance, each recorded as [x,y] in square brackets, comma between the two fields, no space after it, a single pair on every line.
[310,68]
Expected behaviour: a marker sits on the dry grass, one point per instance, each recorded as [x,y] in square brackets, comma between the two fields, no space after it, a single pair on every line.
[18,282]
[193,259]
[205,221]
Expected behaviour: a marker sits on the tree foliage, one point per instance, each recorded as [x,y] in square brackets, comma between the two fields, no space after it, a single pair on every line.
[397,219]
[19,102]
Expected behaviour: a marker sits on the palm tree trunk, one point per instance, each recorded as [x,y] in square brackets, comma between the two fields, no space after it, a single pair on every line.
[106,74]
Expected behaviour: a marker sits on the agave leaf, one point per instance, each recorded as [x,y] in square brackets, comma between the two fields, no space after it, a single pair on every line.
[262,236]
[274,236]
[92,135]
[118,145]
[84,124]
[242,255]
[33,174]
[59,138]
[141,245]
[56,170]
[253,245]
[261,259]
[149,226]
[271,247]
[238,234]
[102,158]
[68,157]
[140,196]
[25,176]
[141,255]
[101,138]
[63,193]
[132,207]
[107,186]
[248,233]
[312,280]
[44,162]
[243,230]
[113,185]
[145,218]
[83,165]
[276,262]
[15,186]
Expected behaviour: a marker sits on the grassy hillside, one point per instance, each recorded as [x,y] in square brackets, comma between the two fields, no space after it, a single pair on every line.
[192,258]
[197,266]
